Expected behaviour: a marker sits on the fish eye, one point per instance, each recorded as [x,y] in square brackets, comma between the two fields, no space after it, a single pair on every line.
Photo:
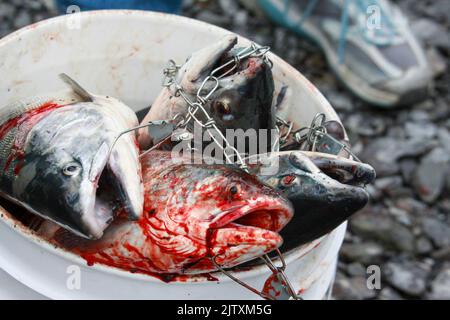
[72,169]
[222,108]
[288,180]
[234,190]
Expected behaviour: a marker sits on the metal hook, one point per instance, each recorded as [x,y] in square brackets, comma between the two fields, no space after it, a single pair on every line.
[279,271]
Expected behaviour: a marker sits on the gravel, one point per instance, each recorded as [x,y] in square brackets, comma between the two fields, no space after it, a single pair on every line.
[440,285]
[406,227]
[408,277]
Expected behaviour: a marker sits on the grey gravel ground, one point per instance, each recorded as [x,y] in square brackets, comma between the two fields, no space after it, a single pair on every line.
[406,228]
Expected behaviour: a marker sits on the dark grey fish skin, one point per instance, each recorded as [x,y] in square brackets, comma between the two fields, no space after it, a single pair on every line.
[57,161]
[243,99]
[320,202]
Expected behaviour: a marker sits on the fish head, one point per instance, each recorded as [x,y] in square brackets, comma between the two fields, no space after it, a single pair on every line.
[229,214]
[243,98]
[71,176]
[321,203]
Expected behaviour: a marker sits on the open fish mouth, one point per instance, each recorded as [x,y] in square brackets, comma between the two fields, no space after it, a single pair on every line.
[247,68]
[112,189]
[216,56]
[249,231]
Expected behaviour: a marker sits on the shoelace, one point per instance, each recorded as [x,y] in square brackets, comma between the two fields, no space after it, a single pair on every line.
[376,36]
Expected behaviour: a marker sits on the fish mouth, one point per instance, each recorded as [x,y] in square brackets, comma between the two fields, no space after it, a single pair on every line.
[248,231]
[114,188]
[322,209]
[342,169]
[219,54]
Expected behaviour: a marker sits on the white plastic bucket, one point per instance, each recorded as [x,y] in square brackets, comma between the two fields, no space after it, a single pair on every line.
[122,54]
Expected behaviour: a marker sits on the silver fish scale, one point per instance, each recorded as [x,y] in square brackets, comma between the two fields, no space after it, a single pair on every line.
[6,144]
[20,107]
[8,113]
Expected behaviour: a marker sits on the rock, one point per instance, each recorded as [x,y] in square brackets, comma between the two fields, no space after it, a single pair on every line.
[382,227]
[340,101]
[407,168]
[240,18]
[437,62]
[6,10]
[354,288]
[409,277]
[444,206]
[213,18]
[383,153]
[388,183]
[366,126]
[440,285]
[4,29]
[443,135]
[439,10]
[429,178]
[387,293]
[422,113]
[365,252]
[423,245]
[22,19]
[441,112]
[356,269]
[253,7]
[33,5]
[374,193]
[442,254]
[422,130]
[229,7]
[400,215]
[411,205]
[431,33]
[437,231]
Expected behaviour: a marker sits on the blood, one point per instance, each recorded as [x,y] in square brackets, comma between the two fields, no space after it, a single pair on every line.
[270,286]
[140,257]
[24,123]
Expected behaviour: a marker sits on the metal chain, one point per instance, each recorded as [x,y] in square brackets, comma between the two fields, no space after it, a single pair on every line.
[197,106]
[310,134]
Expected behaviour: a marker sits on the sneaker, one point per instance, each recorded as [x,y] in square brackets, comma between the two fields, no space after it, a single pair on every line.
[379,60]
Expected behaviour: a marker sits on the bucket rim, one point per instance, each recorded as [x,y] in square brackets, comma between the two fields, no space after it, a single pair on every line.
[253,271]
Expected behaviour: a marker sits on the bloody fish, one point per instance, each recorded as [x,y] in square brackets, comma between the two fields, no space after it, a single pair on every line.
[193,213]
[56,157]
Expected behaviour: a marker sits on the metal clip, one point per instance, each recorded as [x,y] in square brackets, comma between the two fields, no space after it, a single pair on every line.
[277,286]
[170,73]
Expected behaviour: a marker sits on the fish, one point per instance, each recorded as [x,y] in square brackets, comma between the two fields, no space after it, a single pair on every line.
[57,159]
[193,213]
[243,99]
[342,169]
[320,202]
